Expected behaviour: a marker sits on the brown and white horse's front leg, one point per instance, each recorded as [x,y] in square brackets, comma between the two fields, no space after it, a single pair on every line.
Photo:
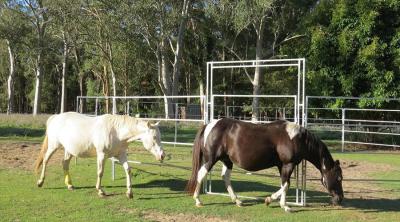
[226,176]
[123,160]
[285,177]
[100,170]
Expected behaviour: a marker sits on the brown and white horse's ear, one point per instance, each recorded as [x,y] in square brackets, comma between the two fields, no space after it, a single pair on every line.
[157,123]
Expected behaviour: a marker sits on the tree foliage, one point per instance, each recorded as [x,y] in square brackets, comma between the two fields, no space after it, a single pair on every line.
[125,47]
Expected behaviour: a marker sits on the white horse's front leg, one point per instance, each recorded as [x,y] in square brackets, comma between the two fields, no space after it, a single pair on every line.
[67,176]
[127,168]
[100,170]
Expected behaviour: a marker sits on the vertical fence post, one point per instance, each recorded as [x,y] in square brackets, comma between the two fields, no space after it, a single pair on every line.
[114,104]
[96,107]
[176,123]
[343,128]
[127,108]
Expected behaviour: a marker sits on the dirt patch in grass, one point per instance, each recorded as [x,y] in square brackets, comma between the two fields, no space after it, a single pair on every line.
[358,182]
[22,155]
[181,217]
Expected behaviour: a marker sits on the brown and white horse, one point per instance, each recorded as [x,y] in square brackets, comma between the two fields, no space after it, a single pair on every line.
[255,147]
[102,136]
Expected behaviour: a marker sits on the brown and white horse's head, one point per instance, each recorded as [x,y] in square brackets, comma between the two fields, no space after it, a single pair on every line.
[332,181]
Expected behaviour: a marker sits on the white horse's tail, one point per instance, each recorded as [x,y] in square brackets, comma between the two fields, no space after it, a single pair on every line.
[43,151]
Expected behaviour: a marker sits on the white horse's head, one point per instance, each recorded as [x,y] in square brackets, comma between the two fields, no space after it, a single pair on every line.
[151,139]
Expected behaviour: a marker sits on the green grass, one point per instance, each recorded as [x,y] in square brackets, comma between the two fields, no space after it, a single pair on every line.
[159,189]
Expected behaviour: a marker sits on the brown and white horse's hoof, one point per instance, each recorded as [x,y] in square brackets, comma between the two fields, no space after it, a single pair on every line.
[268,201]
[40,183]
[288,209]
[129,195]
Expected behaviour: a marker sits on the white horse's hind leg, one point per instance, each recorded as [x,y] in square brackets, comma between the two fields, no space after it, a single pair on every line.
[127,168]
[200,177]
[226,176]
[100,170]
[50,150]
[67,176]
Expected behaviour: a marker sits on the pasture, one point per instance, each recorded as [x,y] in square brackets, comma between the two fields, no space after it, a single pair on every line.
[371,185]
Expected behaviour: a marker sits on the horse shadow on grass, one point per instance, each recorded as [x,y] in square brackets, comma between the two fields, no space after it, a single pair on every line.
[317,201]
[14,131]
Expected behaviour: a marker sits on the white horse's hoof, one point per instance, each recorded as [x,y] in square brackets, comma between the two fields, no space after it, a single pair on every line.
[199,205]
[268,201]
[40,183]
[238,203]
[101,193]
[70,187]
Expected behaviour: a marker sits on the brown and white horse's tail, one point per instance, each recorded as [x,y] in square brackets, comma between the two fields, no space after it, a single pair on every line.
[196,161]
[43,151]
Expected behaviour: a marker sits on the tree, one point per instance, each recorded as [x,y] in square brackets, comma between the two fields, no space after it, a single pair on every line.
[13,30]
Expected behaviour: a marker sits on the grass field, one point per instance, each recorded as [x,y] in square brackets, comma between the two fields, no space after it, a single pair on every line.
[370,195]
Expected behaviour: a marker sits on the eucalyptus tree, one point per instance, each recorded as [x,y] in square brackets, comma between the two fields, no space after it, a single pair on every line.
[36,12]
[65,15]
[162,25]
[14,30]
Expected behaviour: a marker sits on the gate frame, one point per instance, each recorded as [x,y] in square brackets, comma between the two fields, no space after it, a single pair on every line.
[299,107]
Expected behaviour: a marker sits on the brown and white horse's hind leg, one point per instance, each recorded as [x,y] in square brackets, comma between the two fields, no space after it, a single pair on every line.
[123,160]
[100,170]
[67,176]
[200,177]
[226,176]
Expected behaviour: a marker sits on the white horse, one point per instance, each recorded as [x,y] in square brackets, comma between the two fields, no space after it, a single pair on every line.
[105,136]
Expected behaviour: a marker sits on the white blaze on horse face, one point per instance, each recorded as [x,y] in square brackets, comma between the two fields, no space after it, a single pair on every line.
[292,129]
[208,129]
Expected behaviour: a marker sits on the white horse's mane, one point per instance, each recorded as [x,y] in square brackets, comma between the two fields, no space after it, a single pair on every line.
[120,121]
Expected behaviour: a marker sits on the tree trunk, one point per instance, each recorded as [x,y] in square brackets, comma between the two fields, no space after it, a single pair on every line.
[63,75]
[41,23]
[106,88]
[166,82]
[10,81]
[179,46]
[113,78]
[38,85]
[257,72]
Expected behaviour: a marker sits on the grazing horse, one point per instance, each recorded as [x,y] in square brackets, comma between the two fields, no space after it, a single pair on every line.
[105,136]
[255,147]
